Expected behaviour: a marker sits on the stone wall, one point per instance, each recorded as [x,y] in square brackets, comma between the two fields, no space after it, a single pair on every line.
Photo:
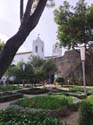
[70,67]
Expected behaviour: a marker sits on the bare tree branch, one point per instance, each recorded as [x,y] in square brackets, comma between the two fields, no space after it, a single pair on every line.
[21,9]
[33,20]
[38,12]
[28,10]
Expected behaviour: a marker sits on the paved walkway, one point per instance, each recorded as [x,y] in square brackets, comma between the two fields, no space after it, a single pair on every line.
[30,96]
[72,119]
[5,105]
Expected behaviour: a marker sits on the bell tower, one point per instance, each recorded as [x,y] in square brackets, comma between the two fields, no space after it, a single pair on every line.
[38,47]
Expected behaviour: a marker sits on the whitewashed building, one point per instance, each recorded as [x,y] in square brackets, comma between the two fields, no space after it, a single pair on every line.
[22,57]
[57,51]
[38,47]
[37,50]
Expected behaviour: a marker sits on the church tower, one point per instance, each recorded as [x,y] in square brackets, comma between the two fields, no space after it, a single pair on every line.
[38,47]
[57,51]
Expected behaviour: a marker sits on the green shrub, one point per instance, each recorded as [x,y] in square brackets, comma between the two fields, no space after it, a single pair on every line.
[60,80]
[15,116]
[46,102]
[9,88]
[76,89]
[10,97]
[34,91]
[86,111]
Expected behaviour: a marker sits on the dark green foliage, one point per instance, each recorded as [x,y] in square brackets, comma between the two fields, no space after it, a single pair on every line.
[75,24]
[46,102]
[10,96]
[27,74]
[36,70]
[60,80]
[75,88]
[86,111]
[9,88]
[14,116]
[42,68]
[34,91]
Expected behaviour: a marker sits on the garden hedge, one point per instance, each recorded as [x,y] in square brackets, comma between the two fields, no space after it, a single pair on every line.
[86,111]
[15,116]
[34,91]
[10,97]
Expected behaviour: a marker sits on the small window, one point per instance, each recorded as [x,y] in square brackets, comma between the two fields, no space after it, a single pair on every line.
[36,49]
[42,49]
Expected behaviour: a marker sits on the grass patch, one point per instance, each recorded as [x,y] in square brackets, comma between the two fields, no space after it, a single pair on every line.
[76,88]
[46,102]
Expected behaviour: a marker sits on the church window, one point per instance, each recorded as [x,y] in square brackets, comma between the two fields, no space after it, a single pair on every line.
[36,49]
[42,49]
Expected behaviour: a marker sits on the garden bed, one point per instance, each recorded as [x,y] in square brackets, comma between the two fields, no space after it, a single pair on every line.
[34,91]
[76,88]
[79,95]
[9,88]
[9,96]
[57,105]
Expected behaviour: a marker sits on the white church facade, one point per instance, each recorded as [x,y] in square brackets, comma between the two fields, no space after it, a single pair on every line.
[22,57]
[38,47]
[37,50]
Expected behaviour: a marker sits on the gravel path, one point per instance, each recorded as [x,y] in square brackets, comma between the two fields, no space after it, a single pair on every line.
[72,119]
[4,105]
[30,96]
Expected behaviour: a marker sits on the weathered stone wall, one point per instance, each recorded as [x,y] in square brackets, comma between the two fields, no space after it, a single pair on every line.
[70,67]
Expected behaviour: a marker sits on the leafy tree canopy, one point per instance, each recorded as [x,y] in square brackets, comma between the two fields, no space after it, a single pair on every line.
[35,71]
[42,68]
[21,74]
[75,24]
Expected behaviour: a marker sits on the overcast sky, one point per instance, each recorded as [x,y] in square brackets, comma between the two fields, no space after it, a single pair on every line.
[9,23]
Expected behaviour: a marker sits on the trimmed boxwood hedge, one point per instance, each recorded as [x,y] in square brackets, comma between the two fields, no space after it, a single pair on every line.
[34,91]
[9,88]
[75,88]
[10,97]
[15,116]
[86,111]
[60,80]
